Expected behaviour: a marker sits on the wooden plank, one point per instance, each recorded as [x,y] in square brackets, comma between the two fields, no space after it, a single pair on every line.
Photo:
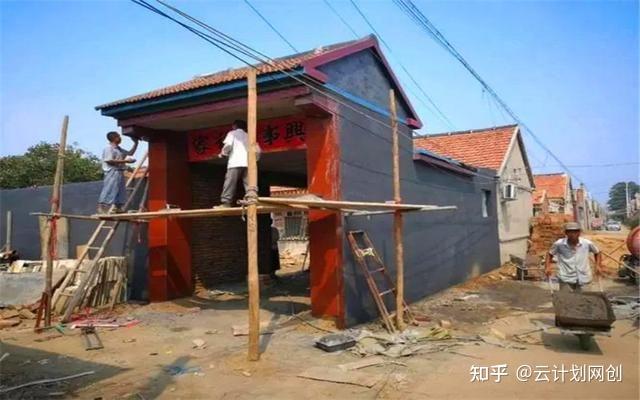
[363,363]
[252,221]
[353,205]
[397,219]
[61,215]
[55,207]
[336,375]
[195,213]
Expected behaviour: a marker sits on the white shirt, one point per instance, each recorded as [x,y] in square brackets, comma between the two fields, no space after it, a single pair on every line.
[235,145]
[573,262]
[111,153]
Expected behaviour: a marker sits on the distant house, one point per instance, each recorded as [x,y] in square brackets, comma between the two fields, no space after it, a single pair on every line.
[540,202]
[559,192]
[501,149]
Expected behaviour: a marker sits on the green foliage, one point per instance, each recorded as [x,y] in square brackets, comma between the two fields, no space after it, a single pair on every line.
[37,166]
[617,203]
[632,221]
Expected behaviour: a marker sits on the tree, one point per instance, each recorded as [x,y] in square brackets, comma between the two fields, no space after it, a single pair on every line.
[617,202]
[37,166]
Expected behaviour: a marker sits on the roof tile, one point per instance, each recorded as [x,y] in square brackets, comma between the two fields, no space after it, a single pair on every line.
[554,184]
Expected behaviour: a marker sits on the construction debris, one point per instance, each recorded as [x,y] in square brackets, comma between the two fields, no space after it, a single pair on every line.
[199,344]
[365,362]
[336,375]
[243,330]
[335,342]
[45,381]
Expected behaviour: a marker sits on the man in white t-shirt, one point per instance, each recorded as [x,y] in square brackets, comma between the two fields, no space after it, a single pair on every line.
[235,147]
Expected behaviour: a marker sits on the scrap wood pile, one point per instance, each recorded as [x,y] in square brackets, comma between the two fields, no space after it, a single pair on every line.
[107,287]
[546,229]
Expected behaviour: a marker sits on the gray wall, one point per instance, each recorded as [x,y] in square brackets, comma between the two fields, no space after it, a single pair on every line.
[77,198]
[442,248]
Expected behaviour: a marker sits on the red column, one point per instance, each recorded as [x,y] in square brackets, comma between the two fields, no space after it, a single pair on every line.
[325,229]
[169,249]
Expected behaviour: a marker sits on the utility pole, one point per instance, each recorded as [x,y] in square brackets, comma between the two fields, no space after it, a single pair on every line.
[626,199]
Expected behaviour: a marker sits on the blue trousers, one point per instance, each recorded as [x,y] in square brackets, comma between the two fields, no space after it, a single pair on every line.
[114,189]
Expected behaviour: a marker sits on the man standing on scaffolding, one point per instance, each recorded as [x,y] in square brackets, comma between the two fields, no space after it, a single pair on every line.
[114,161]
[235,146]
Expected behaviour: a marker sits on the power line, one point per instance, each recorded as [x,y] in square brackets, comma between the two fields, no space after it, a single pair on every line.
[596,165]
[439,112]
[223,39]
[273,28]
[337,14]
[418,17]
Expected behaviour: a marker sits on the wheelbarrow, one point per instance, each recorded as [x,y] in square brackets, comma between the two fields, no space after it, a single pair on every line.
[583,314]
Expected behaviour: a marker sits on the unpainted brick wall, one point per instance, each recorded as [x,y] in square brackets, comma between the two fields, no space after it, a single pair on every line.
[546,229]
[219,244]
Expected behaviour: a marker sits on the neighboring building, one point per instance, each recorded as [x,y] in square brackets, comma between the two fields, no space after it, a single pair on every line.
[326,141]
[501,149]
[559,192]
[540,202]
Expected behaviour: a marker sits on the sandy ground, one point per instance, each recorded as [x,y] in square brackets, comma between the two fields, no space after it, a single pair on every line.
[135,362]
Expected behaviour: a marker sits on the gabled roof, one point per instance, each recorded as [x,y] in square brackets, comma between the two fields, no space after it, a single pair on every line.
[484,148]
[539,196]
[307,62]
[556,185]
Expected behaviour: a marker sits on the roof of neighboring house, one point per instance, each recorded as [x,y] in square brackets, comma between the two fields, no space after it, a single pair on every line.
[484,148]
[555,184]
[538,196]
[307,62]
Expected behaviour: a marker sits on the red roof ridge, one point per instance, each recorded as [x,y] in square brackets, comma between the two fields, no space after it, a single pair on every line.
[468,131]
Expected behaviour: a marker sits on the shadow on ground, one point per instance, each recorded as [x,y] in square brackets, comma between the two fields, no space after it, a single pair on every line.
[25,365]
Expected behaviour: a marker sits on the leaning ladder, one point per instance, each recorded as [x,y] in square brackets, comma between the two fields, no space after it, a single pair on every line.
[97,245]
[367,257]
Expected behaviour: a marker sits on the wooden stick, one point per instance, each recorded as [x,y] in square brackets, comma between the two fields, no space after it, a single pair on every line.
[43,381]
[397,220]
[70,216]
[345,205]
[55,208]
[252,222]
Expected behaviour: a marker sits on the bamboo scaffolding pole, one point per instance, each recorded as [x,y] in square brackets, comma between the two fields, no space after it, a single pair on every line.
[55,208]
[7,239]
[397,218]
[252,222]
[350,205]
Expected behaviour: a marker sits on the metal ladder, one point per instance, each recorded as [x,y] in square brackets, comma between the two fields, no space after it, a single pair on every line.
[93,252]
[372,266]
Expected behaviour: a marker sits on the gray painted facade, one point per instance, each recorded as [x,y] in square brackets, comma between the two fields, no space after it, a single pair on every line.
[77,198]
[441,248]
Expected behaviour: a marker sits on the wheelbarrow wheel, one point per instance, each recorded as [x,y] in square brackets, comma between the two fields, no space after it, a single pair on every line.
[585,341]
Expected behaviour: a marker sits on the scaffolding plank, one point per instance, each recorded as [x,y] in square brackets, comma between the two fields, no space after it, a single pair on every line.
[351,206]
[195,213]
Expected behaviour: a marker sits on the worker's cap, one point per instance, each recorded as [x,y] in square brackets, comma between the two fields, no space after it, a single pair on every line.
[571,226]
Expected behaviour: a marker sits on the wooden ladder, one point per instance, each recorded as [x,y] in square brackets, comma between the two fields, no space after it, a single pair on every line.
[372,266]
[93,252]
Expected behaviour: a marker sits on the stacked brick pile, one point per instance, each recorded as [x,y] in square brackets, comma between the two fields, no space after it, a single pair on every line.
[546,229]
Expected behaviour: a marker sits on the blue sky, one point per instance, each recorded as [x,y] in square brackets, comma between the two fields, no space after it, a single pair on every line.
[568,69]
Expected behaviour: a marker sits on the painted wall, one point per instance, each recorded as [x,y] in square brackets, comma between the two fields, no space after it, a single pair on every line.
[442,248]
[514,215]
[77,198]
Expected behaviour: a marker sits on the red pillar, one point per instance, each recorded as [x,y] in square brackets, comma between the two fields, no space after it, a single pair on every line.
[325,229]
[169,250]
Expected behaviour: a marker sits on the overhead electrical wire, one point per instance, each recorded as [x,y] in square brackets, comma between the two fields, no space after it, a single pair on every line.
[229,42]
[423,22]
[273,28]
[439,112]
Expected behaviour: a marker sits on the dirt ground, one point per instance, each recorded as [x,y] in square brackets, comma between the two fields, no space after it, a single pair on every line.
[157,359]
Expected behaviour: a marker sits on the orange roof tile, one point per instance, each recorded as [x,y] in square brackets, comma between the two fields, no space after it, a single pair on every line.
[555,184]
[484,148]
[280,64]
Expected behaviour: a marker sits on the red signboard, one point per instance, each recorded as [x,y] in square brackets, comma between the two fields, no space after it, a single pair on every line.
[278,134]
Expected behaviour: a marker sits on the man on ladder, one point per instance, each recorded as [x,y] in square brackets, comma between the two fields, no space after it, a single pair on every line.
[114,160]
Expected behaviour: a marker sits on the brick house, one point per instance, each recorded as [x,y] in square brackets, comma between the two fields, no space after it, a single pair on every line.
[327,141]
[559,192]
[501,149]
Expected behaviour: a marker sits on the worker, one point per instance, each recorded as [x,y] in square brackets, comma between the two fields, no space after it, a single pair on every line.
[572,256]
[235,146]
[114,161]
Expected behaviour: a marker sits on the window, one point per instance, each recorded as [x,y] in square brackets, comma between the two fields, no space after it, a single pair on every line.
[486,198]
